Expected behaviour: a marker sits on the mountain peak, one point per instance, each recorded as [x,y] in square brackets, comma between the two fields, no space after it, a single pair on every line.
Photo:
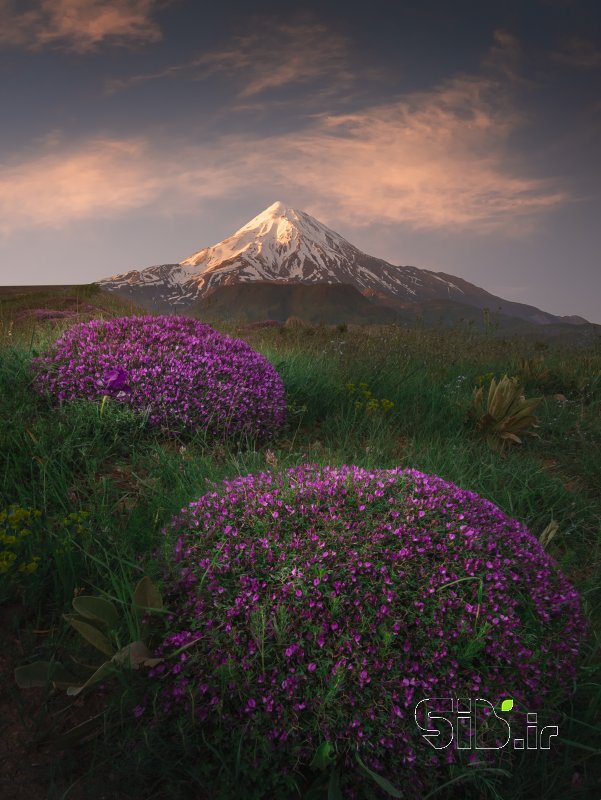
[279,243]
[286,245]
[277,209]
[273,214]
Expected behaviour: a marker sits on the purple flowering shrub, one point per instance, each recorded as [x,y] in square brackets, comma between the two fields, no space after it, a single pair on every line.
[43,314]
[321,604]
[181,372]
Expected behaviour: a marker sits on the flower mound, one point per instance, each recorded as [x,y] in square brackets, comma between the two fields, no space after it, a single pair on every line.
[181,372]
[321,604]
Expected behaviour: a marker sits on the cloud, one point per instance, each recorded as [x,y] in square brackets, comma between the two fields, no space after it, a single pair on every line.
[275,54]
[104,177]
[439,159]
[78,25]
[101,177]
[504,56]
[578,52]
[432,160]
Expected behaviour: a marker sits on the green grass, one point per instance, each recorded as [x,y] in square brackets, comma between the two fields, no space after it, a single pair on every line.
[129,481]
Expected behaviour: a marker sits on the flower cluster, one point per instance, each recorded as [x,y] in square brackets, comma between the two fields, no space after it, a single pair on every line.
[68,534]
[16,527]
[45,314]
[181,372]
[76,522]
[321,604]
[368,401]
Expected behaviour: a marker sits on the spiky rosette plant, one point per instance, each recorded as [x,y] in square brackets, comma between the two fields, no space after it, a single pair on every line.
[313,609]
[506,414]
[181,372]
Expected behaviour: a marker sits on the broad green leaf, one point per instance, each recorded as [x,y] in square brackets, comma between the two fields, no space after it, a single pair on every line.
[92,635]
[36,674]
[42,673]
[133,655]
[96,608]
[100,673]
[324,756]
[334,792]
[146,595]
[507,705]
[316,791]
[152,662]
[511,436]
[382,782]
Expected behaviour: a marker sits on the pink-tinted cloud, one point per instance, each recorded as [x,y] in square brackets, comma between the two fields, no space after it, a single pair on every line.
[438,159]
[66,182]
[274,54]
[78,25]
[101,177]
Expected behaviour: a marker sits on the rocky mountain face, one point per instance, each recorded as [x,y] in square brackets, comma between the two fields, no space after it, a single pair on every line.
[288,246]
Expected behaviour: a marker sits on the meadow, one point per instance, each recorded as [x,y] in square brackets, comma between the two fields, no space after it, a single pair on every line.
[89,493]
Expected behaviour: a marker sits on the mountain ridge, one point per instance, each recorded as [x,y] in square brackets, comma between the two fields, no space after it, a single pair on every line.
[287,245]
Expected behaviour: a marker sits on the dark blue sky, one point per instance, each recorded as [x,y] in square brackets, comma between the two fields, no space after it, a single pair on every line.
[461,137]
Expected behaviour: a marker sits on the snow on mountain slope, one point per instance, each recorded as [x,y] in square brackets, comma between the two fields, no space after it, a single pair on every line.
[288,245]
[282,243]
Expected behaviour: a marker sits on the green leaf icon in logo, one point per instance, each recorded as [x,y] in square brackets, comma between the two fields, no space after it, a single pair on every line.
[507,705]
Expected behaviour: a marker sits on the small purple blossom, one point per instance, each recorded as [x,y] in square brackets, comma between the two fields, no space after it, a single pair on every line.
[116,380]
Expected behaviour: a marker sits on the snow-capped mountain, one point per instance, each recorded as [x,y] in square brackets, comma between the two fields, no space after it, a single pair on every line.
[286,245]
[282,243]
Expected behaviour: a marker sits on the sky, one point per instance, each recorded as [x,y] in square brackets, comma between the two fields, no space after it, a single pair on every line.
[462,137]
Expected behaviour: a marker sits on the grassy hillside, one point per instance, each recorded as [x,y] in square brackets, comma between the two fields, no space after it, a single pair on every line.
[25,306]
[319,303]
[334,304]
[105,486]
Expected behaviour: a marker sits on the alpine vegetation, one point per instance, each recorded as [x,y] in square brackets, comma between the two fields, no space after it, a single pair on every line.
[312,609]
[180,372]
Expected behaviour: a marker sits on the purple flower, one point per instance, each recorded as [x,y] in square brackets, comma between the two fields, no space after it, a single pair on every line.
[116,380]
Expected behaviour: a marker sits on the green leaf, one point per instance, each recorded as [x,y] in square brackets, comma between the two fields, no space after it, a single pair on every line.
[382,782]
[103,669]
[507,705]
[152,662]
[36,674]
[96,608]
[133,655]
[146,595]
[334,792]
[42,673]
[92,635]
[324,756]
